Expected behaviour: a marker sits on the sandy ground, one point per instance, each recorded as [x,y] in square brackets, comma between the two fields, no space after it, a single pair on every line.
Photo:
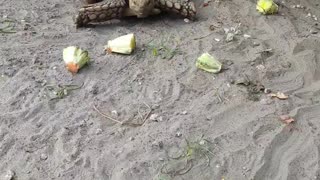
[231,132]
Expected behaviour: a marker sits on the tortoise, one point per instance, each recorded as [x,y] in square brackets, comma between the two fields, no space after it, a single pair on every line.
[104,10]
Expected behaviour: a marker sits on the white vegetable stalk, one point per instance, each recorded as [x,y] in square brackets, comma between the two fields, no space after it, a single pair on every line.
[123,45]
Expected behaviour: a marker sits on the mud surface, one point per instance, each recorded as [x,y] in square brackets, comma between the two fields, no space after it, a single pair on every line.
[233,132]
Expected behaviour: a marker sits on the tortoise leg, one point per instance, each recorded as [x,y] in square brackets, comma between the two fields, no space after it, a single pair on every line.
[92,1]
[185,8]
[129,12]
[100,12]
[155,11]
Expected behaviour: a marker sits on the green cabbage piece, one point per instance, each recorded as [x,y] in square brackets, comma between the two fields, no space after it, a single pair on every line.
[208,63]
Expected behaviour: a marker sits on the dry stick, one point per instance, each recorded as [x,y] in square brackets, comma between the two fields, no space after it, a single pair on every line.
[145,118]
[208,160]
[197,38]
[106,116]
[186,169]
[202,37]
[126,123]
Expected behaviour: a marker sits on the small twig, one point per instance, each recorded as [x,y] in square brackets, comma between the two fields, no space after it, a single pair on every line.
[202,37]
[144,119]
[146,116]
[140,113]
[197,38]
[106,116]
[63,90]
[208,160]
[186,169]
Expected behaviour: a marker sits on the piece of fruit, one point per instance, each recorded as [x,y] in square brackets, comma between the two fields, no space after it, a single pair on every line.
[75,58]
[208,63]
[123,44]
[267,7]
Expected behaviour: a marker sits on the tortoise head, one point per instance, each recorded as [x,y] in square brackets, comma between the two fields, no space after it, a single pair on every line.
[141,7]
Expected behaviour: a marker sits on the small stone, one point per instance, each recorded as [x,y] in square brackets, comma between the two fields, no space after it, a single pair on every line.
[217,39]
[54,5]
[212,27]
[44,82]
[237,32]
[230,37]
[9,175]
[94,90]
[54,67]
[202,142]
[131,138]
[43,157]
[98,131]
[229,62]
[242,81]
[313,31]
[160,144]
[267,91]
[246,36]
[115,113]
[35,60]
[260,67]
[256,44]
[186,20]
[157,144]
[226,30]
[184,112]
[178,134]
[154,117]
[160,119]
[286,64]
[26,27]
[155,106]
[83,123]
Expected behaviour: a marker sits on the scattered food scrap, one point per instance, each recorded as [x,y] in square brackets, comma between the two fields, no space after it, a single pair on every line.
[61,91]
[206,3]
[122,45]
[279,95]
[267,7]
[254,87]
[298,6]
[75,58]
[10,175]
[286,119]
[229,37]
[6,26]
[208,63]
